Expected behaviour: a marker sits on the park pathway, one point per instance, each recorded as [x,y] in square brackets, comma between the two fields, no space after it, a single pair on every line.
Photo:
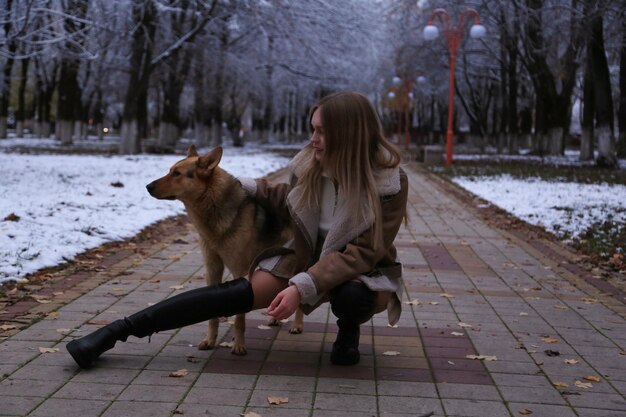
[492,325]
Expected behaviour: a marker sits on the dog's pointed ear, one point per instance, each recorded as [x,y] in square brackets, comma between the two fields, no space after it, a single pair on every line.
[209,161]
[192,151]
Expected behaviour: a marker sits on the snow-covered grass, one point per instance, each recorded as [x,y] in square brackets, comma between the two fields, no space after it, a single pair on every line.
[566,209]
[53,207]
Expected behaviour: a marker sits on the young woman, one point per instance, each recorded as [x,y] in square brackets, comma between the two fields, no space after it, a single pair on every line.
[347,198]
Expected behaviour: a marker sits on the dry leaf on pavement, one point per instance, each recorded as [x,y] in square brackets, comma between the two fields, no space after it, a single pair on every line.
[177,287]
[227,344]
[48,350]
[525,412]
[415,302]
[277,400]
[560,384]
[457,334]
[571,361]
[179,374]
[591,378]
[5,327]
[391,353]
[263,327]
[560,307]
[482,357]
[465,325]
[251,414]
[446,295]
[550,340]
[581,384]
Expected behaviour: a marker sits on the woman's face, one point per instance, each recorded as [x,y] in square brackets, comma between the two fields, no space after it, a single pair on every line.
[317,137]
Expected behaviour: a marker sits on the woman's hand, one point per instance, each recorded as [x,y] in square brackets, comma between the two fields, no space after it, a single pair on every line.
[285,303]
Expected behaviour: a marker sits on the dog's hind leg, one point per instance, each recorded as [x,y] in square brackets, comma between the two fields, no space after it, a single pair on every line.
[298,324]
[214,270]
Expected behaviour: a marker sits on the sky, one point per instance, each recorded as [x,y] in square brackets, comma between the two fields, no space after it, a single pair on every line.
[67,204]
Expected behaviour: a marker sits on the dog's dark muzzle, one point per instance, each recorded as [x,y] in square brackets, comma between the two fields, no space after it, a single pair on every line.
[152,189]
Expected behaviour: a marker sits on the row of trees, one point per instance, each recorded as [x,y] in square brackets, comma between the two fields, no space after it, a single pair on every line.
[155,67]
[152,68]
[543,65]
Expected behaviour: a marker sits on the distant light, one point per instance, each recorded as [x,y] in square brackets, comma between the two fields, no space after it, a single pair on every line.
[420,79]
[105,130]
[396,81]
[478,31]
[431,32]
[391,95]
[411,95]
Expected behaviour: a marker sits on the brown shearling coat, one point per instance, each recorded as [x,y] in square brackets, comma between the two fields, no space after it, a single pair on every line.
[348,252]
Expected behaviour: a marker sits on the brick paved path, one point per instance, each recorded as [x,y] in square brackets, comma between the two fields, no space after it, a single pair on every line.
[471,290]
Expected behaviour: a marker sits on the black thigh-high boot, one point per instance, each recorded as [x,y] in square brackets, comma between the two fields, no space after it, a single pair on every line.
[353,304]
[190,307]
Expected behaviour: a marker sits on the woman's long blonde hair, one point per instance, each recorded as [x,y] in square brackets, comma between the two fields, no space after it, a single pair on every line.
[354,147]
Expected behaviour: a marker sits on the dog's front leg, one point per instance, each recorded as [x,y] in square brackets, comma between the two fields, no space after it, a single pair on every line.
[298,323]
[239,344]
[214,270]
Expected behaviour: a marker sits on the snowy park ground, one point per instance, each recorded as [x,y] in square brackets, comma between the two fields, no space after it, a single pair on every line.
[54,206]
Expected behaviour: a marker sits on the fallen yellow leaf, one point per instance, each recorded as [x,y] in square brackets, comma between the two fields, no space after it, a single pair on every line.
[446,295]
[227,344]
[457,334]
[179,374]
[550,340]
[560,384]
[433,303]
[464,325]
[525,412]
[251,414]
[584,385]
[591,378]
[523,314]
[589,300]
[48,350]
[560,307]
[391,353]
[415,302]
[177,287]
[571,361]
[277,400]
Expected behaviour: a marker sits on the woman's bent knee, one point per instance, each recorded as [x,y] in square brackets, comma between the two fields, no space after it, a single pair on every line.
[265,287]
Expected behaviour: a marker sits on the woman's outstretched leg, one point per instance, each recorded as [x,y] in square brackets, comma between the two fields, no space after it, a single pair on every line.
[190,307]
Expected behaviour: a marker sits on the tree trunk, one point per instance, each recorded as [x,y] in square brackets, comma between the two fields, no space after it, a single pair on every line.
[135,104]
[20,114]
[201,111]
[621,141]
[602,95]
[5,86]
[586,124]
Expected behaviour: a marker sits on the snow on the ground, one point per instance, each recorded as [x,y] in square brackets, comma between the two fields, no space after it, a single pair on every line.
[69,203]
[560,207]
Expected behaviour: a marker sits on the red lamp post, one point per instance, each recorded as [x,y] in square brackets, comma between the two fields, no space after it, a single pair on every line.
[453,37]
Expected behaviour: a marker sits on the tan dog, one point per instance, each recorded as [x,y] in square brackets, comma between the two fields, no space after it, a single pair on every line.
[233,228]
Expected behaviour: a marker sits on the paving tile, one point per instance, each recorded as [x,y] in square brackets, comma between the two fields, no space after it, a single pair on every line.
[136,392]
[540,395]
[204,410]
[35,388]
[217,396]
[89,391]
[55,407]
[407,389]
[18,405]
[408,405]
[297,399]
[345,402]
[542,410]
[139,408]
[474,408]
[468,392]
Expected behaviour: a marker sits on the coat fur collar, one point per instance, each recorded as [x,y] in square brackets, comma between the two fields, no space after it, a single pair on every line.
[345,227]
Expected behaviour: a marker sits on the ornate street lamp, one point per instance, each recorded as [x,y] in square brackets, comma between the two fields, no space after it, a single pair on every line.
[453,37]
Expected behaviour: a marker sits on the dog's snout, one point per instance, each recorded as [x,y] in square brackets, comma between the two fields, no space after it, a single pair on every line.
[150,187]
